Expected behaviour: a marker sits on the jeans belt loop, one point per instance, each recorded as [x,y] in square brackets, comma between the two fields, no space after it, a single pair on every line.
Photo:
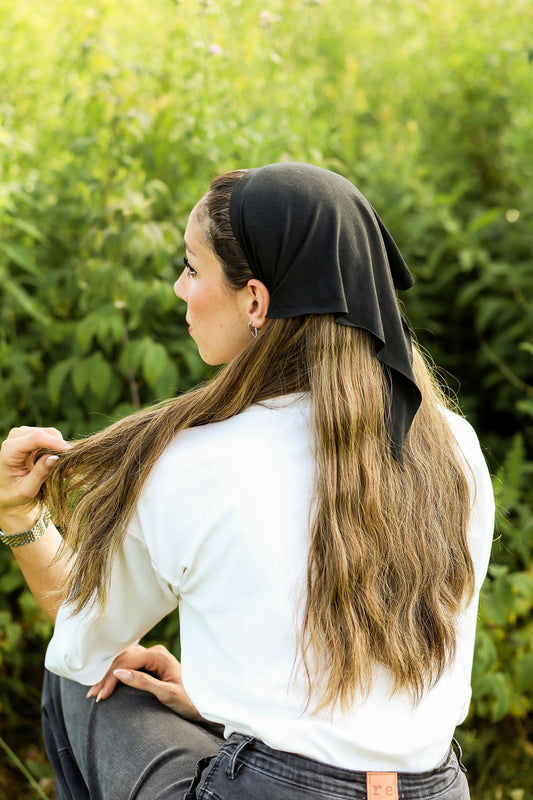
[232,770]
[459,754]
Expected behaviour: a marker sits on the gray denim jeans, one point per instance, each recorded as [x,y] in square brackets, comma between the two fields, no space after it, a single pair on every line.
[248,769]
[130,747]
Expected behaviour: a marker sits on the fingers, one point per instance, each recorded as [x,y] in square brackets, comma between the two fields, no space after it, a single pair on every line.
[21,477]
[50,435]
[142,681]
[29,486]
[104,689]
[159,660]
[156,659]
[18,450]
[22,488]
[167,687]
[134,657]
[22,430]
[139,680]
[168,693]
[135,678]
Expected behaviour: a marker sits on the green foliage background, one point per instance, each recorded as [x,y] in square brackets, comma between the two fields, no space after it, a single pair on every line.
[113,119]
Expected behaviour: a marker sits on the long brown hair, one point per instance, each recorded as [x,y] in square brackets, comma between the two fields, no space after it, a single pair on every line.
[388,568]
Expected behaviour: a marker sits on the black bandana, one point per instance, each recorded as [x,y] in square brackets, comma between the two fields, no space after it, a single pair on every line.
[319,247]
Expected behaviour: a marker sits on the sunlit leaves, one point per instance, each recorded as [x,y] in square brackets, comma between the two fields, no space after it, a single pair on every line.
[113,124]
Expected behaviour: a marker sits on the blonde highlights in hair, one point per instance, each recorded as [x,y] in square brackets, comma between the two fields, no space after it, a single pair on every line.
[388,567]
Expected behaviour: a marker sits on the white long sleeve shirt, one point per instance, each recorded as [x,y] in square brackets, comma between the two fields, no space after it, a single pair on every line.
[221,530]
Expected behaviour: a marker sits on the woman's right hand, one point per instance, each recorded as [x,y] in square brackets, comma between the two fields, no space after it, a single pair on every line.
[21,475]
[164,682]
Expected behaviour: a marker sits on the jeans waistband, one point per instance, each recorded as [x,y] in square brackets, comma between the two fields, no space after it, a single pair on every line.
[241,749]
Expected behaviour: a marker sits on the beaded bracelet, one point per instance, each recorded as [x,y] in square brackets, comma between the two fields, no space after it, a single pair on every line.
[16,539]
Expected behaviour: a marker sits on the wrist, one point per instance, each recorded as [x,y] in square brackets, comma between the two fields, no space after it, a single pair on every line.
[18,520]
[28,536]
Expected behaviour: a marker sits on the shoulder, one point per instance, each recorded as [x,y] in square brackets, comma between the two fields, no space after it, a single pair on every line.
[470,449]
[467,439]
[261,425]
[481,525]
[200,459]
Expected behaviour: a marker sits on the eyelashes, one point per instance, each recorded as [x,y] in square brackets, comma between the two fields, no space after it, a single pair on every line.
[190,270]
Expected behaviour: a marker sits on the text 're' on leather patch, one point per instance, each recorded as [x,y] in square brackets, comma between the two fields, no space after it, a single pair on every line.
[382,785]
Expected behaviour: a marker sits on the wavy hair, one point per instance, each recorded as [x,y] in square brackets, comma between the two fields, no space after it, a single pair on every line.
[388,567]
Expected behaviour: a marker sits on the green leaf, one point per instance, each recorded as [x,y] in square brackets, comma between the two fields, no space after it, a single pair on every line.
[484,220]
[131,357]
[56,378]
[524,673]
[24,300]
[85,332]
[21,256]
[498,689]
[100,374]
[514,463]
[525,407]
[167,383]
[80,377]
[507,597]
[490,311]
[155,361]
[486,653]
[28,227]
[188,351]
[110,327]
[498,602]
[522,584]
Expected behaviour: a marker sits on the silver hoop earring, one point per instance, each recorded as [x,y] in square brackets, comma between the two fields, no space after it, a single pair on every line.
[253,330]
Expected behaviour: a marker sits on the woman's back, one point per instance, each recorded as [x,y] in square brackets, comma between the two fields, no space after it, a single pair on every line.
[225,518]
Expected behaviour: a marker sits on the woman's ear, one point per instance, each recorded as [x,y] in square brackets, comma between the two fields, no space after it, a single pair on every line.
[259,300]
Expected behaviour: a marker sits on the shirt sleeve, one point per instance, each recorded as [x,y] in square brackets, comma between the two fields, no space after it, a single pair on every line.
[84,645]
[481,524]
[177,508]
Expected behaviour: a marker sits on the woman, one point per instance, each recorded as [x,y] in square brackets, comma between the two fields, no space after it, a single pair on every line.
[322,520]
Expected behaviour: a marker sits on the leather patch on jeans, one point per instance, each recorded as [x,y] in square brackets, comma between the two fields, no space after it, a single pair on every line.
[382,786]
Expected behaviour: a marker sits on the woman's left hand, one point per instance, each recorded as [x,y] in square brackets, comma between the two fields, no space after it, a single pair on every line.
[167,687]
[21,475]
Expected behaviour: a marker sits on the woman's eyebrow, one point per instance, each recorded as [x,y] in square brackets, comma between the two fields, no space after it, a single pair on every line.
[188,248]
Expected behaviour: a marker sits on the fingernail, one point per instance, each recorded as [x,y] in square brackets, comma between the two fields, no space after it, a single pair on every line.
[99,696]
[123,674]
[51,460]
[90,692]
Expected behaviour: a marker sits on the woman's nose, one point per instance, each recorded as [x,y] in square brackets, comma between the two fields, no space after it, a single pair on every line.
[180,287]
